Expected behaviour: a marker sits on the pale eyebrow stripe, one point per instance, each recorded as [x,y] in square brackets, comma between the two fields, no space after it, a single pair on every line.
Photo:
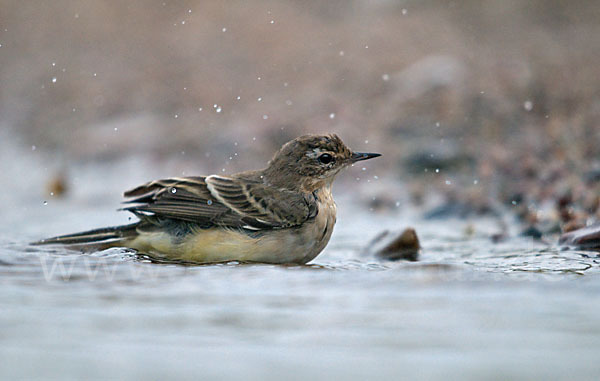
[314,153]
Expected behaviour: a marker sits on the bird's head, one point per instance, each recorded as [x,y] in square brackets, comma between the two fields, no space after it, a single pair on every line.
[311,161]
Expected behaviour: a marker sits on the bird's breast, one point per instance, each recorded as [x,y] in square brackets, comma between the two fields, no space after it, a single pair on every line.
[318,232]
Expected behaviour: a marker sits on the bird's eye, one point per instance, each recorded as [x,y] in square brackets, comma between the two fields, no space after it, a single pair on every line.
[325,158]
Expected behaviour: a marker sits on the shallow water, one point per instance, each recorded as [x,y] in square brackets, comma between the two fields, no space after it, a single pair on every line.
[468,309]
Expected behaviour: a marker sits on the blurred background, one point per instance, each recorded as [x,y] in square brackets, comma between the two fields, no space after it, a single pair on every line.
[458,95]
[483,110]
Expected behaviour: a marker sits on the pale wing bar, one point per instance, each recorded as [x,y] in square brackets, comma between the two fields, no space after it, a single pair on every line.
[262,205]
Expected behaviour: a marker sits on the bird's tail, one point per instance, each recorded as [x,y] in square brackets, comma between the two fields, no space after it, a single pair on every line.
[97,239]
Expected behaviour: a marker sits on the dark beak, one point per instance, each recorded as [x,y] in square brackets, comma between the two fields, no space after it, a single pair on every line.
[358,156]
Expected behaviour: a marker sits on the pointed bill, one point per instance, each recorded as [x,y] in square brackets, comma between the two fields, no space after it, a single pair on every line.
[359,156]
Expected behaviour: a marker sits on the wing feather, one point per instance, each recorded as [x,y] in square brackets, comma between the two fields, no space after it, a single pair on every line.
[261,204]
[221,201]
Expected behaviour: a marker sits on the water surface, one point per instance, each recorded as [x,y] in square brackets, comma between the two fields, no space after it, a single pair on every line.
[468,309]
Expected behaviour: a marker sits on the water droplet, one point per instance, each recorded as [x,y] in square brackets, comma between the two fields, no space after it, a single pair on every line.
[53,79]
[259,99]
[173,190]
[404,11]
[95,74]
[218,109]
[448,182]
[189,11]
[364,169]
[265,117]
[209,202]
[183,22]
[366,142]
[376,177]
[514,202]
[258,78]
[33,148]
[272,21]
[254,138]
[385,77]
[397,204]
[528,105]
[223,170]
[51,193]
[45,202]
[238,97]
[475,182]
[366,46]
[224,30]
[437,124]
[53,63]
[341,53]
[199,108]
[176,116]
[332,115]
[437,170]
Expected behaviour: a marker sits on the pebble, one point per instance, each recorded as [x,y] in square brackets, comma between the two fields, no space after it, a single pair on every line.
[585,238]
[394,247]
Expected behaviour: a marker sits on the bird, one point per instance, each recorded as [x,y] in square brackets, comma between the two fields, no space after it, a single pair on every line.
[282,214]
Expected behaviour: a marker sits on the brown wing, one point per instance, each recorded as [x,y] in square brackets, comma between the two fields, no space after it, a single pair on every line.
[185,199]
[261,204]
[220,201]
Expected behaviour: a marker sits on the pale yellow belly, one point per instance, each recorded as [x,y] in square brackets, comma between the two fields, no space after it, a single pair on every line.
[293,245]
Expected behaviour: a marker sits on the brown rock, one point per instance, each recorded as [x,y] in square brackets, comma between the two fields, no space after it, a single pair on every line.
[586,238]
[396,247]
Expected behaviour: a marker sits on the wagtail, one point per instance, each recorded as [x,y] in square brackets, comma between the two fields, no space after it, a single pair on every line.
[284,213]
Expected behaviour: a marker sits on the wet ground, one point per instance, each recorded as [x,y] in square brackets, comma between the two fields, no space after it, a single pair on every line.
[469,309]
